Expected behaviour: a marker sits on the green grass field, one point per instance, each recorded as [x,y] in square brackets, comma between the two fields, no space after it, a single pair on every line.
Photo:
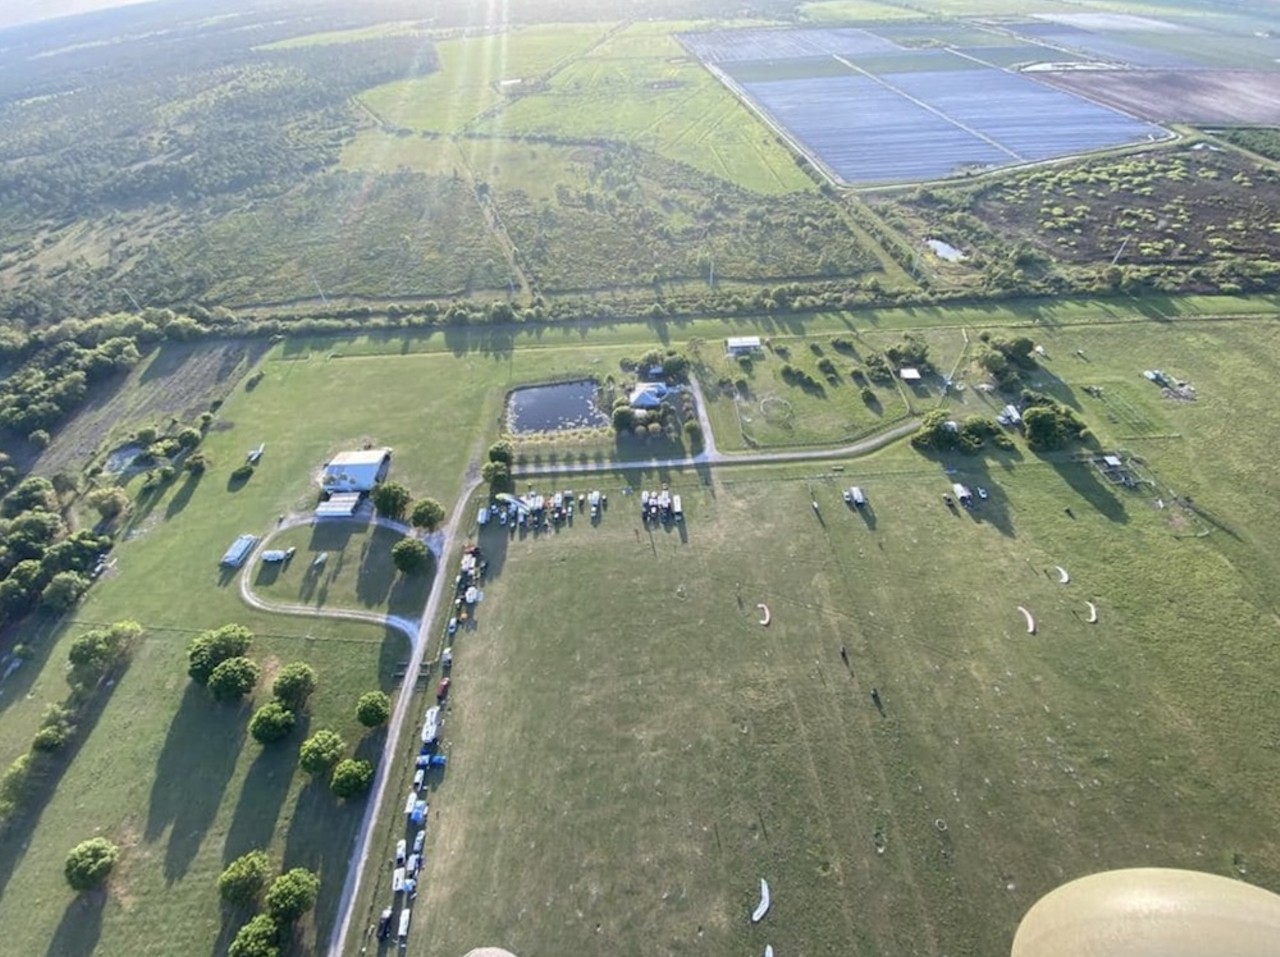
[356,571]
[612,672]
[630,751]
[471,69]
[643,89]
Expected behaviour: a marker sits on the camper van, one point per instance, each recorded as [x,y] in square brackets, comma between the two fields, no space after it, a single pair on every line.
[677,508]
[857,496]
[482,517]
[384,924]
[402,848]
[431,725]
[403,935]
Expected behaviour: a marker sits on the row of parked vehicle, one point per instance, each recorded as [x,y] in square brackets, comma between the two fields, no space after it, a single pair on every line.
[661,506]
[409,856]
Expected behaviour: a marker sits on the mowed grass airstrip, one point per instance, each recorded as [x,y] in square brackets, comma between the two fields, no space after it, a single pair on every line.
[629,749]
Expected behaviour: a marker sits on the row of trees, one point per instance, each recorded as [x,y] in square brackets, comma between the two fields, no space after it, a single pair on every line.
[218,659]
[392,500]
[289,896]
[94,657]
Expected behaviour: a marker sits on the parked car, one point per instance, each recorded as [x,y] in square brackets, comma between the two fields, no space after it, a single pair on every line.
[453,625]
[384,924]
[418,840]
[401,850]
[411,868]
[982,492]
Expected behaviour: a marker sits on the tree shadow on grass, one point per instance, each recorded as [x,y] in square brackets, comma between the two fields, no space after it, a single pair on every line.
[233,918]
[80,927]
[393,656]
[265,787]
[1083,479]
[182,496]
[196,762]
[320,839]
[376,576]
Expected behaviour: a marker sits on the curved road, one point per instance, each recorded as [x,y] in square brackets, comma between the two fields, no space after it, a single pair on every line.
[247,595]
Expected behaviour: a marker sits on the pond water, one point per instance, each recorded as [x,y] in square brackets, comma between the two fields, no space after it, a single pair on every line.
[547,408]
[945,250]
[121,458]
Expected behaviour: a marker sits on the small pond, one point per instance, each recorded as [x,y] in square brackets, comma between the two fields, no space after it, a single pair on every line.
[562,405]
[945,250]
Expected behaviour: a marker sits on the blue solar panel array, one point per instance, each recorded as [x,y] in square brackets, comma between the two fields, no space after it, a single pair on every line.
[865,133]
[868,132]
[728,46]
[1028,118]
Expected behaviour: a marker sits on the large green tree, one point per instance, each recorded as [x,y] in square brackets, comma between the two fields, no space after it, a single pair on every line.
[373,708]
[294,685]
[292,894]
[391,499]
[272,722]
[258,938]
[351,778]
[321,751]
[427,513]
[243,879]
[214,647]
[233,679]
[409,555]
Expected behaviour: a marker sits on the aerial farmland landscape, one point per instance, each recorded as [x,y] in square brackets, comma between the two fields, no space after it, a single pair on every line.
[622,479]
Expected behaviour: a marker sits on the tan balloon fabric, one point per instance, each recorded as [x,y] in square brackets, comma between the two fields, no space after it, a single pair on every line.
[489,952]
[1152,912]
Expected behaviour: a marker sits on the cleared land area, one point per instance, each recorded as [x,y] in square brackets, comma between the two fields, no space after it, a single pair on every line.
[1189,96]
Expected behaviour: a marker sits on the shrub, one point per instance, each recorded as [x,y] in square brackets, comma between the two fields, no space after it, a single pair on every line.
[242,473]
[96,652]
[373,709]
[294,685]
[89,863]
[272,722]
[243,879]
[351,778]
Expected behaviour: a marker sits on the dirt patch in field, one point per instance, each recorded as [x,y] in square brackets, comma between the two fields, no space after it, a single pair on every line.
[1180,96]
[178,381]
